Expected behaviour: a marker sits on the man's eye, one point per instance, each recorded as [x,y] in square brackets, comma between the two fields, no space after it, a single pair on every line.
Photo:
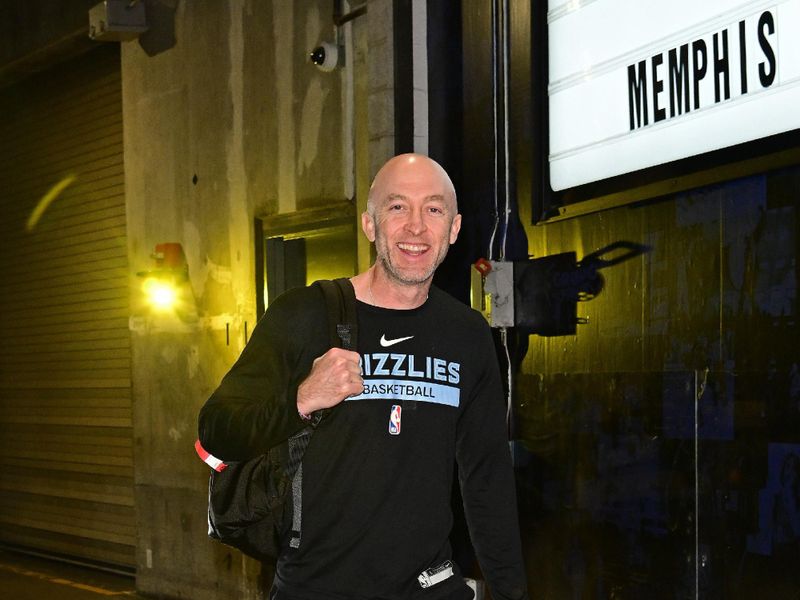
[436,210]
[396,207]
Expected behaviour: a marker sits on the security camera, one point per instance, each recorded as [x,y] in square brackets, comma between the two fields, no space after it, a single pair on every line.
[325,56]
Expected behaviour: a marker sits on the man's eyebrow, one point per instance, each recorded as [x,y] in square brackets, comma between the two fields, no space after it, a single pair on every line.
[434,197]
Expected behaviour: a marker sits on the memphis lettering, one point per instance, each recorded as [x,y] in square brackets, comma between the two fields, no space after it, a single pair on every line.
[408,377]
[670,83]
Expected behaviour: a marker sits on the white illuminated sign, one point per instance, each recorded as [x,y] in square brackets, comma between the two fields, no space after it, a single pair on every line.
[639,83]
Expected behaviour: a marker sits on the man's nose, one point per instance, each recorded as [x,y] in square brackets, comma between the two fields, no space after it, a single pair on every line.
[415,224]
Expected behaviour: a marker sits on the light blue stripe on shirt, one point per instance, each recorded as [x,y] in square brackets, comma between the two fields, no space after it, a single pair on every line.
[421,391]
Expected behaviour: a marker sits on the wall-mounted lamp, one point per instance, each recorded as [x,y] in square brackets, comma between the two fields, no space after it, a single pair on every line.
[117,20]
[163,284]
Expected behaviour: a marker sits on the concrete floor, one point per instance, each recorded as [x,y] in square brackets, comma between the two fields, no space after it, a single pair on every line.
[24,577]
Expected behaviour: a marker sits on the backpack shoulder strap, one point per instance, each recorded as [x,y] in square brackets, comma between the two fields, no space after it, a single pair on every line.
[340,303]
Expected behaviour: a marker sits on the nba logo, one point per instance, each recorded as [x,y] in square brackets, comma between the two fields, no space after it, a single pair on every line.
[394,419]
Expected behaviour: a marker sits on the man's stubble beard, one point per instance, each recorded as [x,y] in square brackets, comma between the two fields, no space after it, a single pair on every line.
[384,256]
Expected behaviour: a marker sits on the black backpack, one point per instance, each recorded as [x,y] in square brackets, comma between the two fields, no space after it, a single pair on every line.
[248,505]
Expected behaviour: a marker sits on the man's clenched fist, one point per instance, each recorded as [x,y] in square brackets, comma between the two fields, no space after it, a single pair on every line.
[334,376]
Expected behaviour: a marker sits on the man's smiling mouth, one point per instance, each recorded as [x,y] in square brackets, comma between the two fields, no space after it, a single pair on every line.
[413,248]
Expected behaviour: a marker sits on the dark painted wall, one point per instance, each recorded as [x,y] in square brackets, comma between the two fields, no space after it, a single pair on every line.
[663,440]
[659,448]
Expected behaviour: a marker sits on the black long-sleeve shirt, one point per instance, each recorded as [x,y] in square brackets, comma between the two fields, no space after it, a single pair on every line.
[377,474]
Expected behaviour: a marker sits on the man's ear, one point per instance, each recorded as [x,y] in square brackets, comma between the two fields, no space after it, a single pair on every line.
[368,226]
[455,227]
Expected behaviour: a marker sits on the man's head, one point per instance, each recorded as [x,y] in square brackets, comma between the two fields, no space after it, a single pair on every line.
[412,216]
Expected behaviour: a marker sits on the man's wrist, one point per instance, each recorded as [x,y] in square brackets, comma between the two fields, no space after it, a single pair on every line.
[303,409]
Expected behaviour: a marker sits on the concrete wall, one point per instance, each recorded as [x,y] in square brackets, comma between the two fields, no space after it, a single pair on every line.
[225,120]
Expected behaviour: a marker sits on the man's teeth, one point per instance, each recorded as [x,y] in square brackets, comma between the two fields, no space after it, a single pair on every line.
[413,247]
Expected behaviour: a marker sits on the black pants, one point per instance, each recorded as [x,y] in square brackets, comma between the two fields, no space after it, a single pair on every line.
[459,594]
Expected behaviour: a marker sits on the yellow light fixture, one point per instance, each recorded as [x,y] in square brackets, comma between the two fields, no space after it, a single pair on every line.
[162,285]
[160,294]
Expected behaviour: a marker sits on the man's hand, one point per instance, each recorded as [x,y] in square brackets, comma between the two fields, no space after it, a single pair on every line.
[334,376]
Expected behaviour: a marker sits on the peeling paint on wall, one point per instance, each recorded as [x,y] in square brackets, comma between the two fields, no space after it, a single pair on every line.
[283,30]
[239,226]
[177,433]
[169,354]
[310,122]
[198,270]
[218,273]
[314,34]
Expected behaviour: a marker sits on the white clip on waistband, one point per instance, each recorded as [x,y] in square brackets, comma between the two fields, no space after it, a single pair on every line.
[436,574]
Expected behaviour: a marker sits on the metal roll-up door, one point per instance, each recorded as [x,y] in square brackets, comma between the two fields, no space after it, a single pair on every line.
[66,480]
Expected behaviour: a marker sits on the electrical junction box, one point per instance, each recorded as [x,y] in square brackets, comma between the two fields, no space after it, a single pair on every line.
[492,291]
[117,20]
[492,288]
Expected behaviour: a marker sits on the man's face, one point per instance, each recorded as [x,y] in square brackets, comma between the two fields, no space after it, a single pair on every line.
[414,221]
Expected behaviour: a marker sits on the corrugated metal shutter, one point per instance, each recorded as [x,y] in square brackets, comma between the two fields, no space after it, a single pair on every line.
[66,479]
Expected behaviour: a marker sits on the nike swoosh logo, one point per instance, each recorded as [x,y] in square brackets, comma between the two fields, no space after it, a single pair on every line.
[386,343]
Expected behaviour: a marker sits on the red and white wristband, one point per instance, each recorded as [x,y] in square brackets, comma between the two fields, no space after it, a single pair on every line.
[211,460]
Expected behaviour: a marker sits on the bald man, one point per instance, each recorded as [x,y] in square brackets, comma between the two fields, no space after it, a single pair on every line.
[421,394]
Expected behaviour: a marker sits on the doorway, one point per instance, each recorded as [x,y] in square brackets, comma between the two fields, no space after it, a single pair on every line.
[296,249]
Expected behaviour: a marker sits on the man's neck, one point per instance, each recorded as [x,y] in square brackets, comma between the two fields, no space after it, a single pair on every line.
[375,287]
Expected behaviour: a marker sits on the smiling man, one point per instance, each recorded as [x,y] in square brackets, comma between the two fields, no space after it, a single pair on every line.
[412,218]
[421,395]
